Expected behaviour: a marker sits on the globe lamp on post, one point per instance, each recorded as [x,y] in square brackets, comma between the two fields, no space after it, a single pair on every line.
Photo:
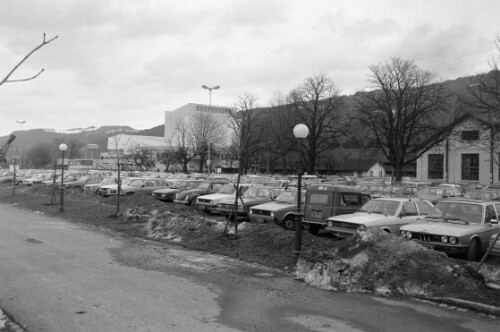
[63,147]
[300,132]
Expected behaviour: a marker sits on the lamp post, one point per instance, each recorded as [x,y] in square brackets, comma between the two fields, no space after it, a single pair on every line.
[300,132]
[210,91]
[20,150]
[21,124]
[63,147]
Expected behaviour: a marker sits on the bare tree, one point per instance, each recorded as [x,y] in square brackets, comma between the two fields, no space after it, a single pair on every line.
[7,78]
[40,155]
[116,141]
[317,104]
[208,135]
[402,114]
[279,139]
[142,156]
[182,145]
[246,123]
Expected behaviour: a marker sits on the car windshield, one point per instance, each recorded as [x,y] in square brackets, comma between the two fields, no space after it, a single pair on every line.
[227,189]
[136,183]
[256,193]
[288,197]
[193,184]
[457,211]
[388,208]
[205,185]
[432,191]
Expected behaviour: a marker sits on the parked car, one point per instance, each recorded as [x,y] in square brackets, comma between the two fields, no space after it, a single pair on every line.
[495,250]
[189,196]
[210,202]
[388,214]
[456,226]
[327,200]
[399,191]
[373,189]
[435,194]
[67,177]
[484,195]
[95,187]
[79,183]
[37,179]
[105,190]
[167,194]
[281,211]
[251,197]
[140,186]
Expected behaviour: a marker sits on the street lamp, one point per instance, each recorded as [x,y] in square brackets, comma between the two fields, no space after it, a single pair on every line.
[300,132]
[21,124]
[210,91]
[20,149]
[63,147]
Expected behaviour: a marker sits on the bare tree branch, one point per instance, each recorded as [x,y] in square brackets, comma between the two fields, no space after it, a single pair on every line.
[7,79]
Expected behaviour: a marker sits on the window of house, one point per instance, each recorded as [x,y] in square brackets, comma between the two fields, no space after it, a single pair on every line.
[435,166]
[470,166]
[470,135]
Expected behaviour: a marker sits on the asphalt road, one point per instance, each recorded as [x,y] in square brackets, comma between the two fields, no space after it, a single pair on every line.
[60,276]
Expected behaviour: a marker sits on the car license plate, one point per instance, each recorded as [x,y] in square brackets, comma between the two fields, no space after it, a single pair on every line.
[317,215]
[427,245]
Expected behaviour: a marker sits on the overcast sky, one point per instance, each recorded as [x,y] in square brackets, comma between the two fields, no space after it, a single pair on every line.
[125,62]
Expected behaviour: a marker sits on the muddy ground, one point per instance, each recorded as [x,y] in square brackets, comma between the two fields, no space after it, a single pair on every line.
[141,216]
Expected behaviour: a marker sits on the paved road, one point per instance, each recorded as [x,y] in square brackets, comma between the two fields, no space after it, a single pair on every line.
[60,276]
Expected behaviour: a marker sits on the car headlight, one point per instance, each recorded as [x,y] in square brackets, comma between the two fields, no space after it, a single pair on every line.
[402,233]
[453,240]
[272,214]
[251,211]
[444,239]
[329,223]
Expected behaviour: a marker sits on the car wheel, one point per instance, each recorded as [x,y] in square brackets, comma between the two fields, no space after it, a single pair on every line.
[314,229]
[288,223]
[473,250]
[191,202]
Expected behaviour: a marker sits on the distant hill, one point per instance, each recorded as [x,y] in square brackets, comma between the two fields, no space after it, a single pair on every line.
[26,139]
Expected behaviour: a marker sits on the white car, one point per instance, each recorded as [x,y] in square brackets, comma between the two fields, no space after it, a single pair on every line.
[389,214]
[210,202]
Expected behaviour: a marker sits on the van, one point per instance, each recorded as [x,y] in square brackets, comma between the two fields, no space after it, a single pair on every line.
[327,200]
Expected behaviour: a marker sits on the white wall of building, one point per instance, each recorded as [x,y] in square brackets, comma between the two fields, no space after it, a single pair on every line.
[453,154]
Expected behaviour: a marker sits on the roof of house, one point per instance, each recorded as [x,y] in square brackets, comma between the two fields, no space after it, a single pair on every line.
[357,164]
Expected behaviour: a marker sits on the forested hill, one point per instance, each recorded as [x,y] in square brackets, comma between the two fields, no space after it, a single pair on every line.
[26,139]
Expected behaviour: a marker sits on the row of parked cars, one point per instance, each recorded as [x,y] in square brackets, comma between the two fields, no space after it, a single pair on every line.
[444,217]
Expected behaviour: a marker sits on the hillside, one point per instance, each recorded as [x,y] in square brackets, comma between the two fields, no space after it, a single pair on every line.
[26,139]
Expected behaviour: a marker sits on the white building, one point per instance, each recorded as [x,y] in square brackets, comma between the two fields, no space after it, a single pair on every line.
[172,117]
[468,156]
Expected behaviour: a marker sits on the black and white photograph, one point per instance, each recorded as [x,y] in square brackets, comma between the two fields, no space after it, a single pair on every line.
[249,165]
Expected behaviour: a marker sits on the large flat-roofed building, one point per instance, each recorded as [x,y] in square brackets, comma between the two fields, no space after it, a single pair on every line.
[171,117]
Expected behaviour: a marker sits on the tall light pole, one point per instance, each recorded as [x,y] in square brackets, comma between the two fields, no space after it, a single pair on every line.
[210,91]
[63,147]
[300,132]
[210,103]
[21,124]
[20,149]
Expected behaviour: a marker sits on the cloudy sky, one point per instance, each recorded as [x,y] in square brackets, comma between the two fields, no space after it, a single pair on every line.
[126,62]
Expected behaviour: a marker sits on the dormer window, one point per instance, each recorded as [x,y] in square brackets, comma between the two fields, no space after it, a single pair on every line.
[470,135]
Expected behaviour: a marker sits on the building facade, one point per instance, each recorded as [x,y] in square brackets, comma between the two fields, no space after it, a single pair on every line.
[172,117]
[467,156]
